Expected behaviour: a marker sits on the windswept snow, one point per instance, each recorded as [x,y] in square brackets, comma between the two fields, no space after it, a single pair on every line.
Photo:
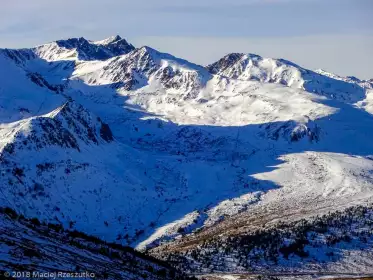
[140,147]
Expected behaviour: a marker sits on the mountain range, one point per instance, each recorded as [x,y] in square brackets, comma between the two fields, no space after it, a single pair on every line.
[246,165]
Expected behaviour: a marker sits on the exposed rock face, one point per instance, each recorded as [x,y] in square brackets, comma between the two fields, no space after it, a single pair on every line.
[145,149]
[90,51]
[105,133]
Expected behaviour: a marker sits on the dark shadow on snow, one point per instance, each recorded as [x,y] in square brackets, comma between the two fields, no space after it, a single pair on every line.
[241,150]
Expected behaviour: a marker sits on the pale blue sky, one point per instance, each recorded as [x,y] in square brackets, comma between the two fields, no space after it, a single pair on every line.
[336,35]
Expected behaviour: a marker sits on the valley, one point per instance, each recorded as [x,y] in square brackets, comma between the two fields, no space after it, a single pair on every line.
[200,166]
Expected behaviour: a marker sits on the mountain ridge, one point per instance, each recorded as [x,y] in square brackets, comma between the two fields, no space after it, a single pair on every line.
[145,149]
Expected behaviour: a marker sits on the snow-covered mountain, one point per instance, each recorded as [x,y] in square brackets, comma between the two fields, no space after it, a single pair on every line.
[254,67]
[82,49]
[139,147]
[33,249]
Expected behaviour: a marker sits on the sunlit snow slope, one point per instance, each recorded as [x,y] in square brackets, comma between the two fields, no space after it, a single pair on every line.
[137,146]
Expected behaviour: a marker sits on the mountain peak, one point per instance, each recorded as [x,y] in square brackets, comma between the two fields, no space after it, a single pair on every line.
[151,150]
[72,42]
[83,49]
[108,40]
[225,62]
[150,50]
[117,37]
[171,60]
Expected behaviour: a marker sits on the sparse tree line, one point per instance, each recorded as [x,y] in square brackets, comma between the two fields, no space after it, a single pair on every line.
[292,244]
[126,258]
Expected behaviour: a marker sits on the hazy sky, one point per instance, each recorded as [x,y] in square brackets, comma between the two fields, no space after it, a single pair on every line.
[336,35]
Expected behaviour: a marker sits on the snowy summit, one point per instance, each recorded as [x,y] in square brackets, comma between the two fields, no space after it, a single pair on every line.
[196,165]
